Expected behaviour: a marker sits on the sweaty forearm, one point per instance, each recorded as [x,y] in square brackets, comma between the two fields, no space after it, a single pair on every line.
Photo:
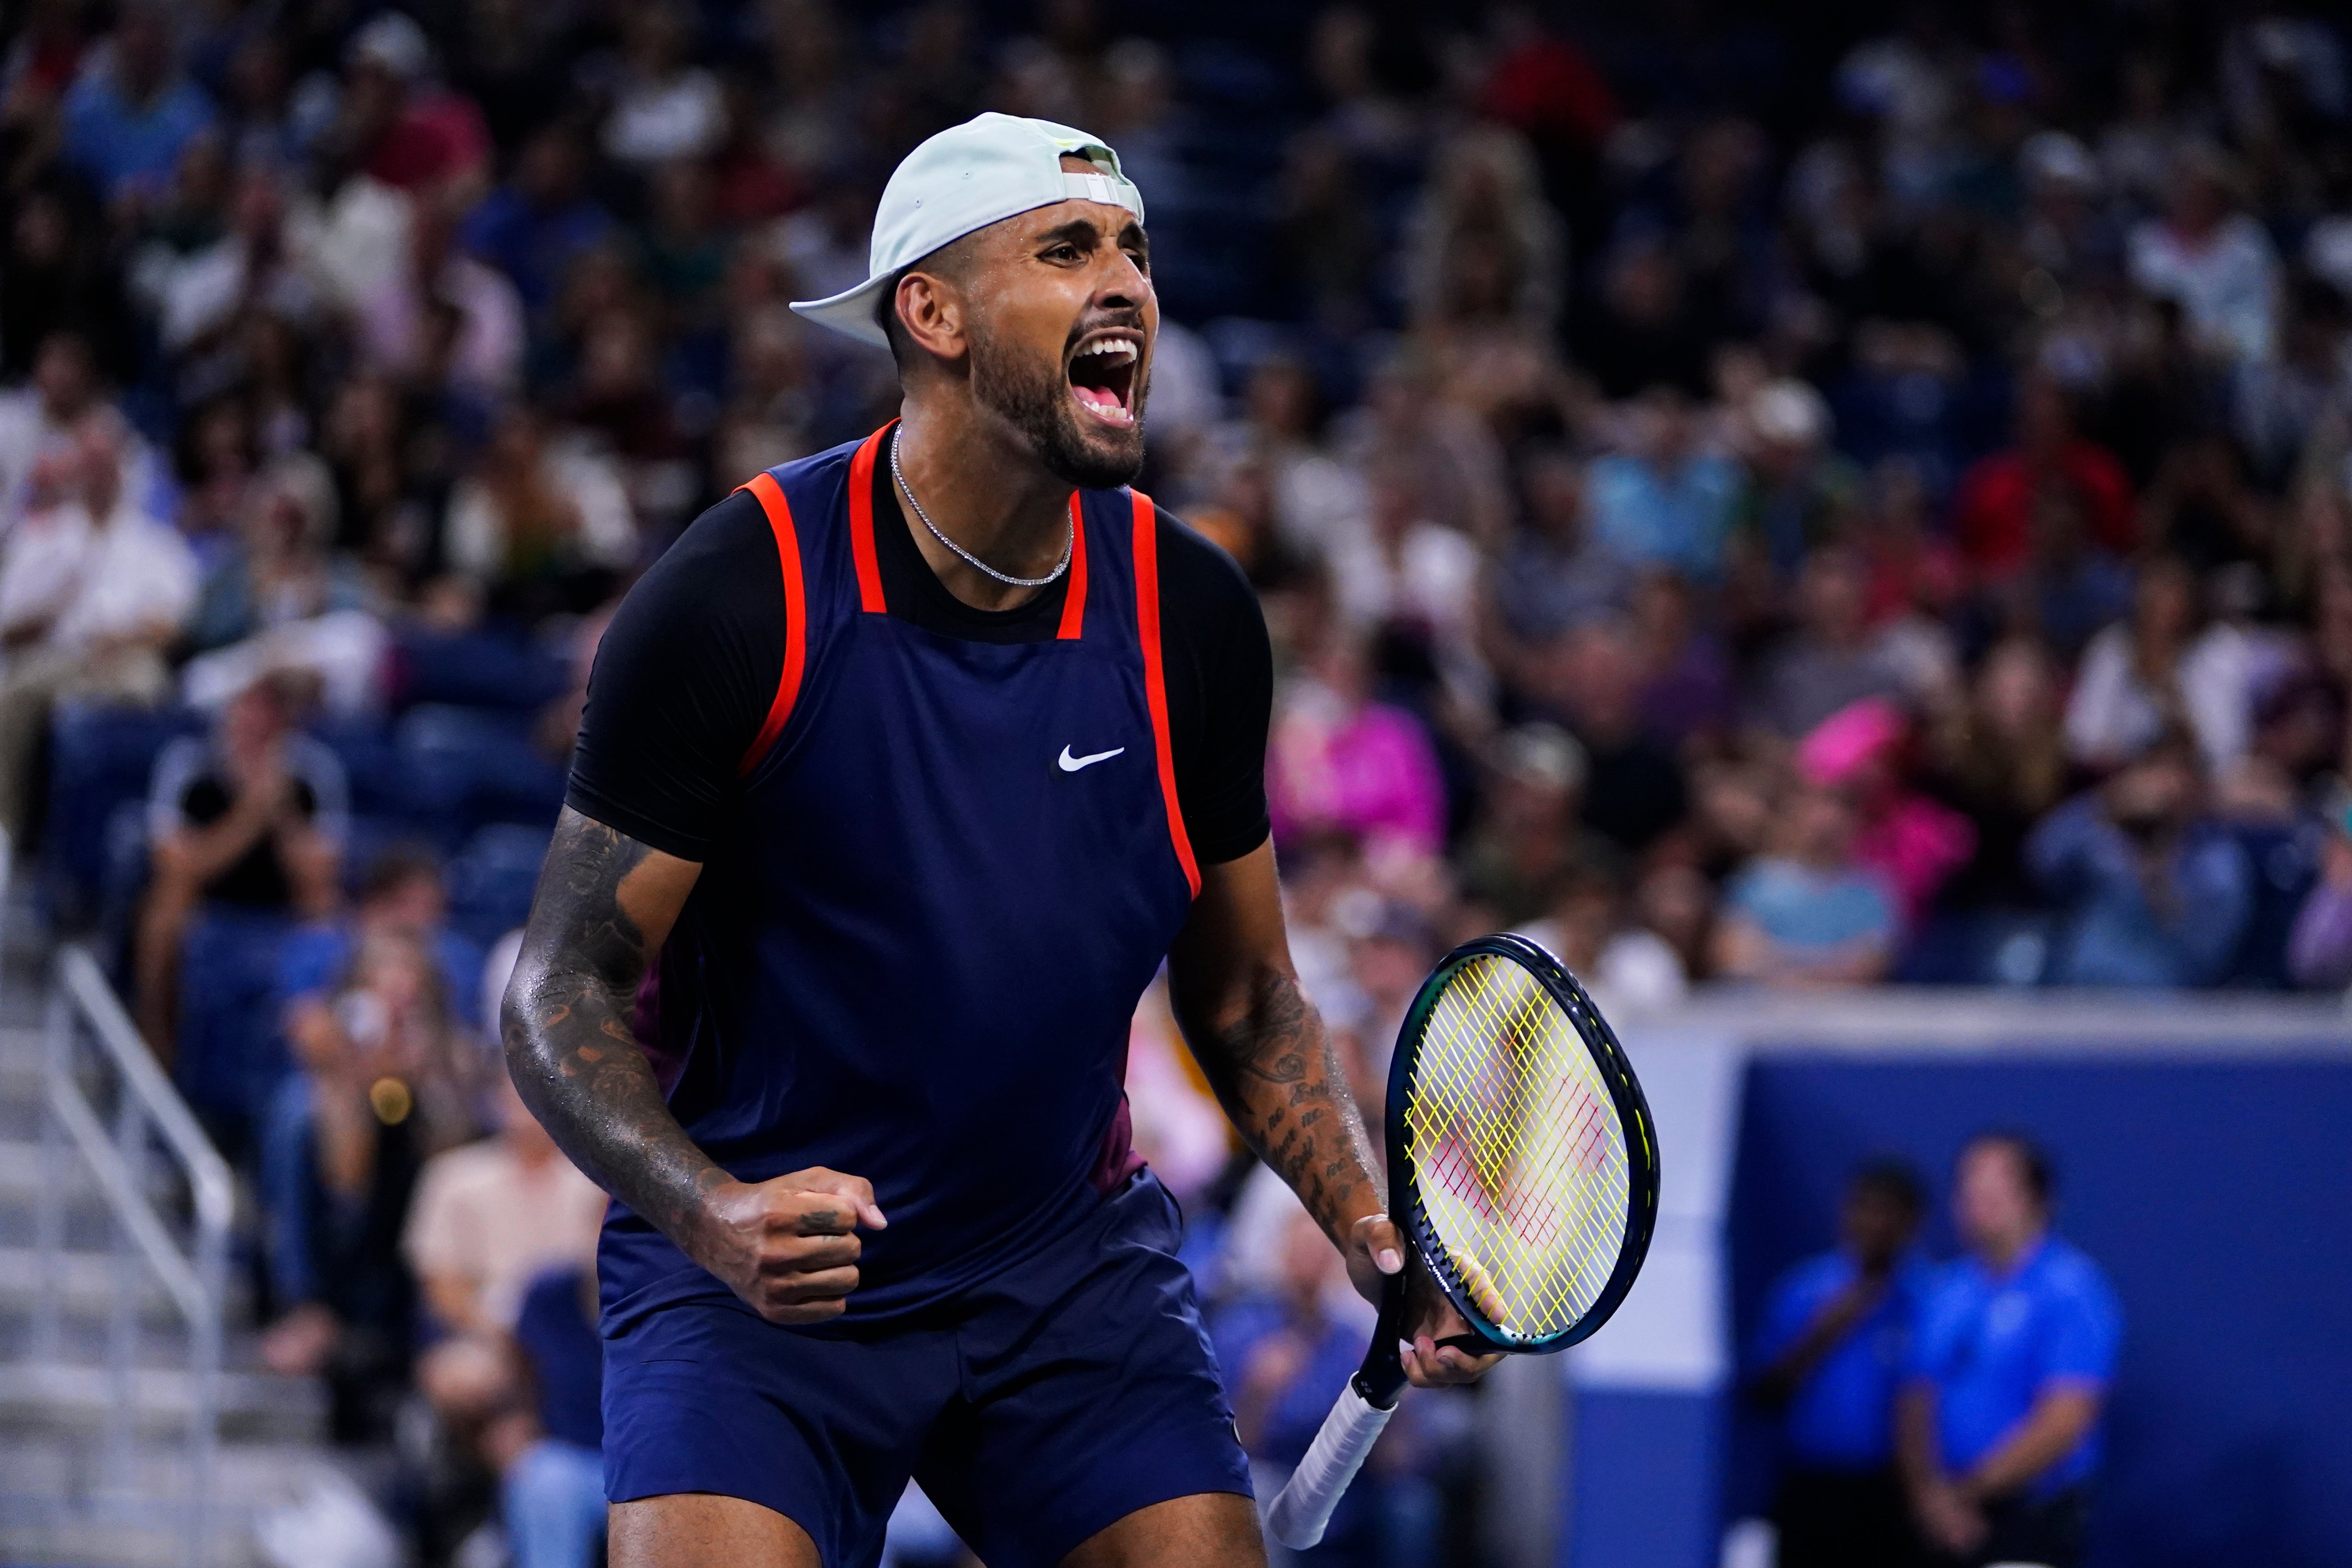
[580,1071]
[566,1024]
[1279,1079]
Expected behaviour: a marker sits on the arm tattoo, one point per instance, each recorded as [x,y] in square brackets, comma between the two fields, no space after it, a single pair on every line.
[565,1023]
[1278,1076]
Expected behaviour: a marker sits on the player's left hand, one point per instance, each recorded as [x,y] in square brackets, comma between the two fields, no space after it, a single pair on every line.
[1375,1249]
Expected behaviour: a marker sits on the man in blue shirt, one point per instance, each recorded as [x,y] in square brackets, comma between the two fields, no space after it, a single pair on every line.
[1996,1427]
[1668,501]
[1827,1357]
[537,224]
[131,113]
[2150,889]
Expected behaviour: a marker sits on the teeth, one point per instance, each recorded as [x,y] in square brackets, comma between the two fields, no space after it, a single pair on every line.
[1111,348]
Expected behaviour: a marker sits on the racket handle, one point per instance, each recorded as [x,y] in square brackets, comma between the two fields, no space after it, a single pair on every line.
[1299,1514]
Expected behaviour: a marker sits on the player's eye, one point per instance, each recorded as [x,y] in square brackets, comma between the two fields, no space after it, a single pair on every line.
[1064,251]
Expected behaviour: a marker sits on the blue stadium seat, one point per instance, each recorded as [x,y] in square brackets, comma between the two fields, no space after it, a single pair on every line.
[485,668]
[491,879]
[2286,861]
[101,757]
[371,764]
[1978,947]
[462,768]
[125,879]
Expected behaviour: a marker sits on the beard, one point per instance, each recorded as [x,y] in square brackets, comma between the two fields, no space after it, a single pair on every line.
[1034,398]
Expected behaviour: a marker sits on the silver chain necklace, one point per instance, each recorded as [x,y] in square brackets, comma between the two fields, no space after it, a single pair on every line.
[968,558]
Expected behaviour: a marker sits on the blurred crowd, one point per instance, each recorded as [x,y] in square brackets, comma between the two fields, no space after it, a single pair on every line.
[1795,496]
[1901,539]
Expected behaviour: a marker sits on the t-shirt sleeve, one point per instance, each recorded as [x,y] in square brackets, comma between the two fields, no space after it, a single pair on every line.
[178,767]
[1220,678]
[2082,1334]
[682,683]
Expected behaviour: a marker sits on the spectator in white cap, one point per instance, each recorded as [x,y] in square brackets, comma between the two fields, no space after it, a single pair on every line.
[2212,257]
[398,127]
[1800,492]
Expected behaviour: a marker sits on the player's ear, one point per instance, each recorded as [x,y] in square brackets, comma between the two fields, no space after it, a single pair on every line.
[932,313]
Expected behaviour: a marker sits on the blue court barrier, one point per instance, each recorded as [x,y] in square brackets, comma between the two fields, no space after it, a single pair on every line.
[2203,1159]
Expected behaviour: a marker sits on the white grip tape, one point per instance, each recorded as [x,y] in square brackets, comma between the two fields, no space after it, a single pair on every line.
[1299,1514]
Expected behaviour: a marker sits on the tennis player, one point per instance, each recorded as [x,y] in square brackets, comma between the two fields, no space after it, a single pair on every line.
[902,771]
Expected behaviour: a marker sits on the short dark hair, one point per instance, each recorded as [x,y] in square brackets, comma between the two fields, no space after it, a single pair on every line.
[1893,1179]
[71,339]
[886,314]
[395,866]
[2032,1159]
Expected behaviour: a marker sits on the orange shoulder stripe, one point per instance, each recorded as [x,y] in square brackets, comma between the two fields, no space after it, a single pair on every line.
[861,521]
[1073,596]
[1155,685]
[771,497]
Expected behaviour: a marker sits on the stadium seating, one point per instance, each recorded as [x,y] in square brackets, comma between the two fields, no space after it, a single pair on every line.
[491,879]
[100,758]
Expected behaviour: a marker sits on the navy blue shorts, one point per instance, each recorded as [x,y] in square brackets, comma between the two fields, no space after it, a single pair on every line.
[1059,1397]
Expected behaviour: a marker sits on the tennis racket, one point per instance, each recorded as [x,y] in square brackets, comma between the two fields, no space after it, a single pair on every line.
[1523,1170]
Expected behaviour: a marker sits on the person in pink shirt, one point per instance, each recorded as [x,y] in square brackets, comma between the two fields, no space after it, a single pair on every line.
[1340,762]
[1915,843]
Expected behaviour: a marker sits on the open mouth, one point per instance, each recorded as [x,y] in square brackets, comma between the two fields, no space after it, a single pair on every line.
[1102,378]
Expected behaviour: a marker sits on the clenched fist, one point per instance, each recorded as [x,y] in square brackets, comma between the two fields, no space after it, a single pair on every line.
[788,1246]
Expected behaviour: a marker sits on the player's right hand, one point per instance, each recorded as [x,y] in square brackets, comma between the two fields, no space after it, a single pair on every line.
[788,1246]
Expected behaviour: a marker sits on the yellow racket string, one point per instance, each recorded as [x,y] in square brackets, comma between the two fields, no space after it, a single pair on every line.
[1517,1148]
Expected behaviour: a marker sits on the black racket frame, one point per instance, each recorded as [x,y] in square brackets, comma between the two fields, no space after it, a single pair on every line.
[1383,1374]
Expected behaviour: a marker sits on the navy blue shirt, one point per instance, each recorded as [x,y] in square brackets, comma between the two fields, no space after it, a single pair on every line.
[1841,1416]
[1990,1346]
[686,673]
[934,885]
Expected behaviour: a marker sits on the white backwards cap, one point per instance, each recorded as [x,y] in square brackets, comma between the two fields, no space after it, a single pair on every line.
[961,180]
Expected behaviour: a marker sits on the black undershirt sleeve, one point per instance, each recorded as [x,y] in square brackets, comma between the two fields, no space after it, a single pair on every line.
[686,671]
[1220,675]
[682,683]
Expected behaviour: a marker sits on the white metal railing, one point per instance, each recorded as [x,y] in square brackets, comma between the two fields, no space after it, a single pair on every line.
[147,1114]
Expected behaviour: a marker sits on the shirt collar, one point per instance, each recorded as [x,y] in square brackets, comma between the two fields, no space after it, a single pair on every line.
[2020,1266]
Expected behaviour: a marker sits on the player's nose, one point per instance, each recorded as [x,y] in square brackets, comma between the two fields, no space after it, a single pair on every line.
[1121,283]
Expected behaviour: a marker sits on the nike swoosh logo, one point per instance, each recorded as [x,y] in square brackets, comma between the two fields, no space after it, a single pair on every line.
[1071,765]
